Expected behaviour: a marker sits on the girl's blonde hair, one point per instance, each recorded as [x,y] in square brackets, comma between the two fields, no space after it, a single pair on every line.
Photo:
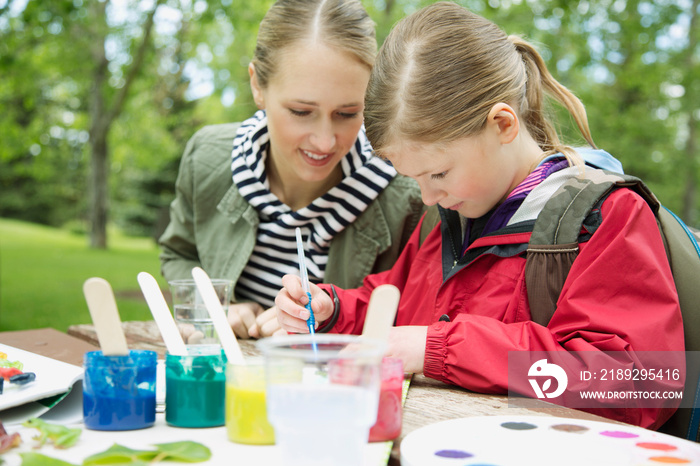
[442,69]
[341,24]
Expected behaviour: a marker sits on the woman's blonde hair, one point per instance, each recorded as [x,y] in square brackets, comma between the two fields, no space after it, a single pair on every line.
[340,24]
[442,69]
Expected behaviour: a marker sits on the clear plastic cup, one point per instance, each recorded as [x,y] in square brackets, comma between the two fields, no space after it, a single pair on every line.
[322,396]
[190,312]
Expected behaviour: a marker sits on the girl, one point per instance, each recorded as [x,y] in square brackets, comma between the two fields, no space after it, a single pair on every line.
[303,161]
[456,104]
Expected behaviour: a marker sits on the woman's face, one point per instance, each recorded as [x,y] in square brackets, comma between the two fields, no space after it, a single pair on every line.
[314,105]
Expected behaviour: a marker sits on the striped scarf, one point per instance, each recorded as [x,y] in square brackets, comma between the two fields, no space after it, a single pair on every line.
[275,253]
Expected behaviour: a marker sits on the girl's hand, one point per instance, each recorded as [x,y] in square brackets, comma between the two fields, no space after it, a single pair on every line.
[408,344]
[290,301]
[241,318]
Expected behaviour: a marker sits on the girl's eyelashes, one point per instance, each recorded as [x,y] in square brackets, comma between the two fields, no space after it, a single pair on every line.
[438,176]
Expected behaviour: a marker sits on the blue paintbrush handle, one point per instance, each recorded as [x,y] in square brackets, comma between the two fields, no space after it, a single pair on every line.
[311,321]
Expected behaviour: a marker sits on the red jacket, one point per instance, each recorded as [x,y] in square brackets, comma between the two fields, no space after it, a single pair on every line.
[619,296]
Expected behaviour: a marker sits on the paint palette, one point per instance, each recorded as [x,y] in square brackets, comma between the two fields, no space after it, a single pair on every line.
[542,441]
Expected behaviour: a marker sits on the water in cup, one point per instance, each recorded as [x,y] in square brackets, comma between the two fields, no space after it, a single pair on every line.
[329,421]
[190,312]
[194,321]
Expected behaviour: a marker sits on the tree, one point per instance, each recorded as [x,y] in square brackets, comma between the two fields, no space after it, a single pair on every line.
[103,112]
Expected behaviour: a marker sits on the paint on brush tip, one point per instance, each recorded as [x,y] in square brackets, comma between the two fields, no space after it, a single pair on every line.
[618,434]
[519,425]
[571,428]
[458,454]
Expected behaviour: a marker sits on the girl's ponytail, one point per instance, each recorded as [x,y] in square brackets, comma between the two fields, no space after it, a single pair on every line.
[539,82]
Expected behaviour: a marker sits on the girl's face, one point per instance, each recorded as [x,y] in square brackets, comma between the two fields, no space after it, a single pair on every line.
[314,105]
[470,175]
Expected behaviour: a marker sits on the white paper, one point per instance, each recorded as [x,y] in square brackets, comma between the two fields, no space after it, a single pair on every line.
[53,377]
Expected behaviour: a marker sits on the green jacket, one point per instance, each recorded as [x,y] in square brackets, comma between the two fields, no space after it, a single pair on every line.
[214,227]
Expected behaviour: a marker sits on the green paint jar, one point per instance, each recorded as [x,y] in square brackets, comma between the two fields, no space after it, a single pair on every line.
[195,389]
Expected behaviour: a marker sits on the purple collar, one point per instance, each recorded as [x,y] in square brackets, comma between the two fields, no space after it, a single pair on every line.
[499,217]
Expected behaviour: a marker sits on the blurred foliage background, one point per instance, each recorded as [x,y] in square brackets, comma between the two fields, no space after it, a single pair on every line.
[98,98]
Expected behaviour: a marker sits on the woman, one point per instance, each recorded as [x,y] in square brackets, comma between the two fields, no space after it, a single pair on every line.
[302,160]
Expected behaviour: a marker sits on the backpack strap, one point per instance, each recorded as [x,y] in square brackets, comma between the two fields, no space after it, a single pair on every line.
[553,245]
[430,219]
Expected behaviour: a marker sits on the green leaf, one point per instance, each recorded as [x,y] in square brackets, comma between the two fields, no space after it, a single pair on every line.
[61,436]
[119,454]
[37,459]
[186,451]
[127,462]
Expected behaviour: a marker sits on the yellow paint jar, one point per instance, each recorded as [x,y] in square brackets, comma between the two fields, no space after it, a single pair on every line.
[246,410]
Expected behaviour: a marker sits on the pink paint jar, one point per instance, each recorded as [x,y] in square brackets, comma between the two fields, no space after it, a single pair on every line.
[390,412]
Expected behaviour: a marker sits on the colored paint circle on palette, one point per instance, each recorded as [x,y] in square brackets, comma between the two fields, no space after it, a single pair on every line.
[542,441]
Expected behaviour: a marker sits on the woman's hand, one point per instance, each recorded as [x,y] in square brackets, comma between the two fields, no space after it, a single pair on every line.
[290,301]
[266,325]
[241,317]
[408,344]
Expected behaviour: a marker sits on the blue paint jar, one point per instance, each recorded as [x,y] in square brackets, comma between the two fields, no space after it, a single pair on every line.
[119,392]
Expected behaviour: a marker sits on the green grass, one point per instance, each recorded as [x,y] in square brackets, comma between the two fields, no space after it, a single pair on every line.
[42,271]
